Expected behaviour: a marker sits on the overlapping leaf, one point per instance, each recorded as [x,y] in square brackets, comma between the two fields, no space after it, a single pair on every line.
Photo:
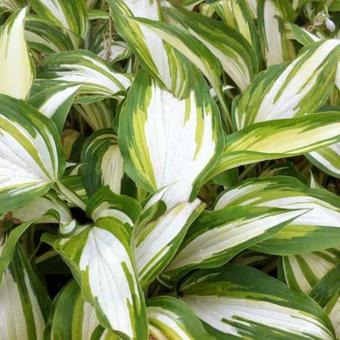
[169,318]
[302,272]
[276,48]
[278,139]
[74,318]
[30,153]
[102,163]
[24,302]
[317,229]
[292,90]
[101,260]
[158,240]
[168,142]
[218,236]
[242,302]
[69,15]
[43,36]
[82,68]
[160,59]
[233,51]
[16,69]
[55,102]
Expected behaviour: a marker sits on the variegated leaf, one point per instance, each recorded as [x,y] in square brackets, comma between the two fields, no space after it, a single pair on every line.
[276,47]
[74,318]
[218,236]
[160,59]
[241,302]
[24,303]
[171,319]
[31,158]
[157,241]
[300,34]
[75,185]
[106,203]
[8,246]
[280,138]
[302,272]
[101,260]
[48,209]
[55,102]
[253,7]
[287,91]
[327,158]
[167,142]
[238,14]
[317,229]
[193,49]
[327,294]
[99,115]
[69,15]
[102,163]
[16,69]
[43,36]
[82,68]
[233,51]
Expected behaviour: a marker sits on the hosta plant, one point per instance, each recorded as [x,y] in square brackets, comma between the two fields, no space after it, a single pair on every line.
[169,169]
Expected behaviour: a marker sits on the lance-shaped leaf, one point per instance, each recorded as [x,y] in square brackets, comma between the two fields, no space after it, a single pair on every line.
[254,259]
[8,246]
[317,229]
[241,302]
[106,203]
[48,209]
[55,102]
[195,51]
[44,37]
[327,294]
[278,139]
[218,236]
[16,69]
[74,318]
[300,34]
[102,263]
[327,287]
[302,272]
[30,153]
[170,318]
[69,15]
[157,56]
[233,51]
[252,4]
[276,46]
[99,115]
[24,303]
[102,163]
[166,141]
[292,90]
[74,184]
[327,158]
[157,241]
[238,14]
[82,68]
